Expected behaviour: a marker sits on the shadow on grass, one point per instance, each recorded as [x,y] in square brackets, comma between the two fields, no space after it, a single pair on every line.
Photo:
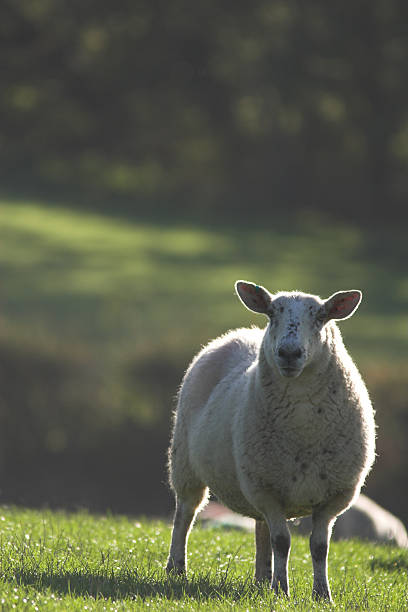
[131,585]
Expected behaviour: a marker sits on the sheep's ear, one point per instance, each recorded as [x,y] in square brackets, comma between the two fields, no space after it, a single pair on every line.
[341,305]
[254,297]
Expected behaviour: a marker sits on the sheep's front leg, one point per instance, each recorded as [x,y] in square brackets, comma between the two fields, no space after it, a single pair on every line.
[263,558]
[319,548]
[323,519]
[280,541]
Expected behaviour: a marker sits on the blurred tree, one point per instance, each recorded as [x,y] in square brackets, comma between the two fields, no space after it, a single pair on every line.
[277,104]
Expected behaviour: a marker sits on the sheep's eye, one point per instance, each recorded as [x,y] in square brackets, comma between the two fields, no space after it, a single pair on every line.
[271,314]
[321,317]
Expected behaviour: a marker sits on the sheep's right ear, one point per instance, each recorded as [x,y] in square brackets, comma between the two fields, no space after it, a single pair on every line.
[342,304]
[254,297]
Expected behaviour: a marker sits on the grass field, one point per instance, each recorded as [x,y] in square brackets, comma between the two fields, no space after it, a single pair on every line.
[72,278]
[129,302]
[56,561]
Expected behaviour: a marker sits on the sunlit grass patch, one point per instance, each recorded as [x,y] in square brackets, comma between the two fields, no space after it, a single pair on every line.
[112,283]
[59,561]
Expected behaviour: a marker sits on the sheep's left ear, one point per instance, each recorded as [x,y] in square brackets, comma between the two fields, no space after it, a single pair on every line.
[254,297]
[342,305]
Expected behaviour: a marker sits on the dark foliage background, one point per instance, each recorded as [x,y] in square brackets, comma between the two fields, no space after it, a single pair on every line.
[218,108]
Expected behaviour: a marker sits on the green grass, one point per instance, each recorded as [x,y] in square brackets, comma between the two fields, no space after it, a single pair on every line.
[115,286]
[57,561]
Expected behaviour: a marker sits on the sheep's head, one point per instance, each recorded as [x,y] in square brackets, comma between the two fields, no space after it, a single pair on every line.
[297,329]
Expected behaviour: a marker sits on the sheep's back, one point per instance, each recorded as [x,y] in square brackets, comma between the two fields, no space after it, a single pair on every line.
[226,356]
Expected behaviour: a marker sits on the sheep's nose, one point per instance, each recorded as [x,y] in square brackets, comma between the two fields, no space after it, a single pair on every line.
[289,354]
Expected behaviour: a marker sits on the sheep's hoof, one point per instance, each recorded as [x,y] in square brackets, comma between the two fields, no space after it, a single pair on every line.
[175,568]
[265,578]
[322,594]
[280,589]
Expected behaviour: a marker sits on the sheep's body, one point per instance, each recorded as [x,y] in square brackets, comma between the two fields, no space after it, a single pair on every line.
[271,447]
[302,456]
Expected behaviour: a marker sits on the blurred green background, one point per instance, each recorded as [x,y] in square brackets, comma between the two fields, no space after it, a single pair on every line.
[153,153]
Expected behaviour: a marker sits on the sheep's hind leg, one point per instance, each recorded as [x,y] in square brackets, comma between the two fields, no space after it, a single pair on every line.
[263,558]
[186,510]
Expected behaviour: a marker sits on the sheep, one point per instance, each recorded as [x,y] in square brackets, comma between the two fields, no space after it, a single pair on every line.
[365,520]
[278,424]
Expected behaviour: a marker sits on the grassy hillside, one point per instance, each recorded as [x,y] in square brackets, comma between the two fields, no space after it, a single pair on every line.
[103,283]
[56,561]
[99,317]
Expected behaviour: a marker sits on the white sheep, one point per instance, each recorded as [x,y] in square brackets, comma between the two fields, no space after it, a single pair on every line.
[365,520]
[278,424]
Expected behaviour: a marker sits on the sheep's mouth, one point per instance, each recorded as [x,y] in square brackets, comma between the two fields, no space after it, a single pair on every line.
[289,372]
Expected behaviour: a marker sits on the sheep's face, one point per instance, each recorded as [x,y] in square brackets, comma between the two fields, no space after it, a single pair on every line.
[296,333]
